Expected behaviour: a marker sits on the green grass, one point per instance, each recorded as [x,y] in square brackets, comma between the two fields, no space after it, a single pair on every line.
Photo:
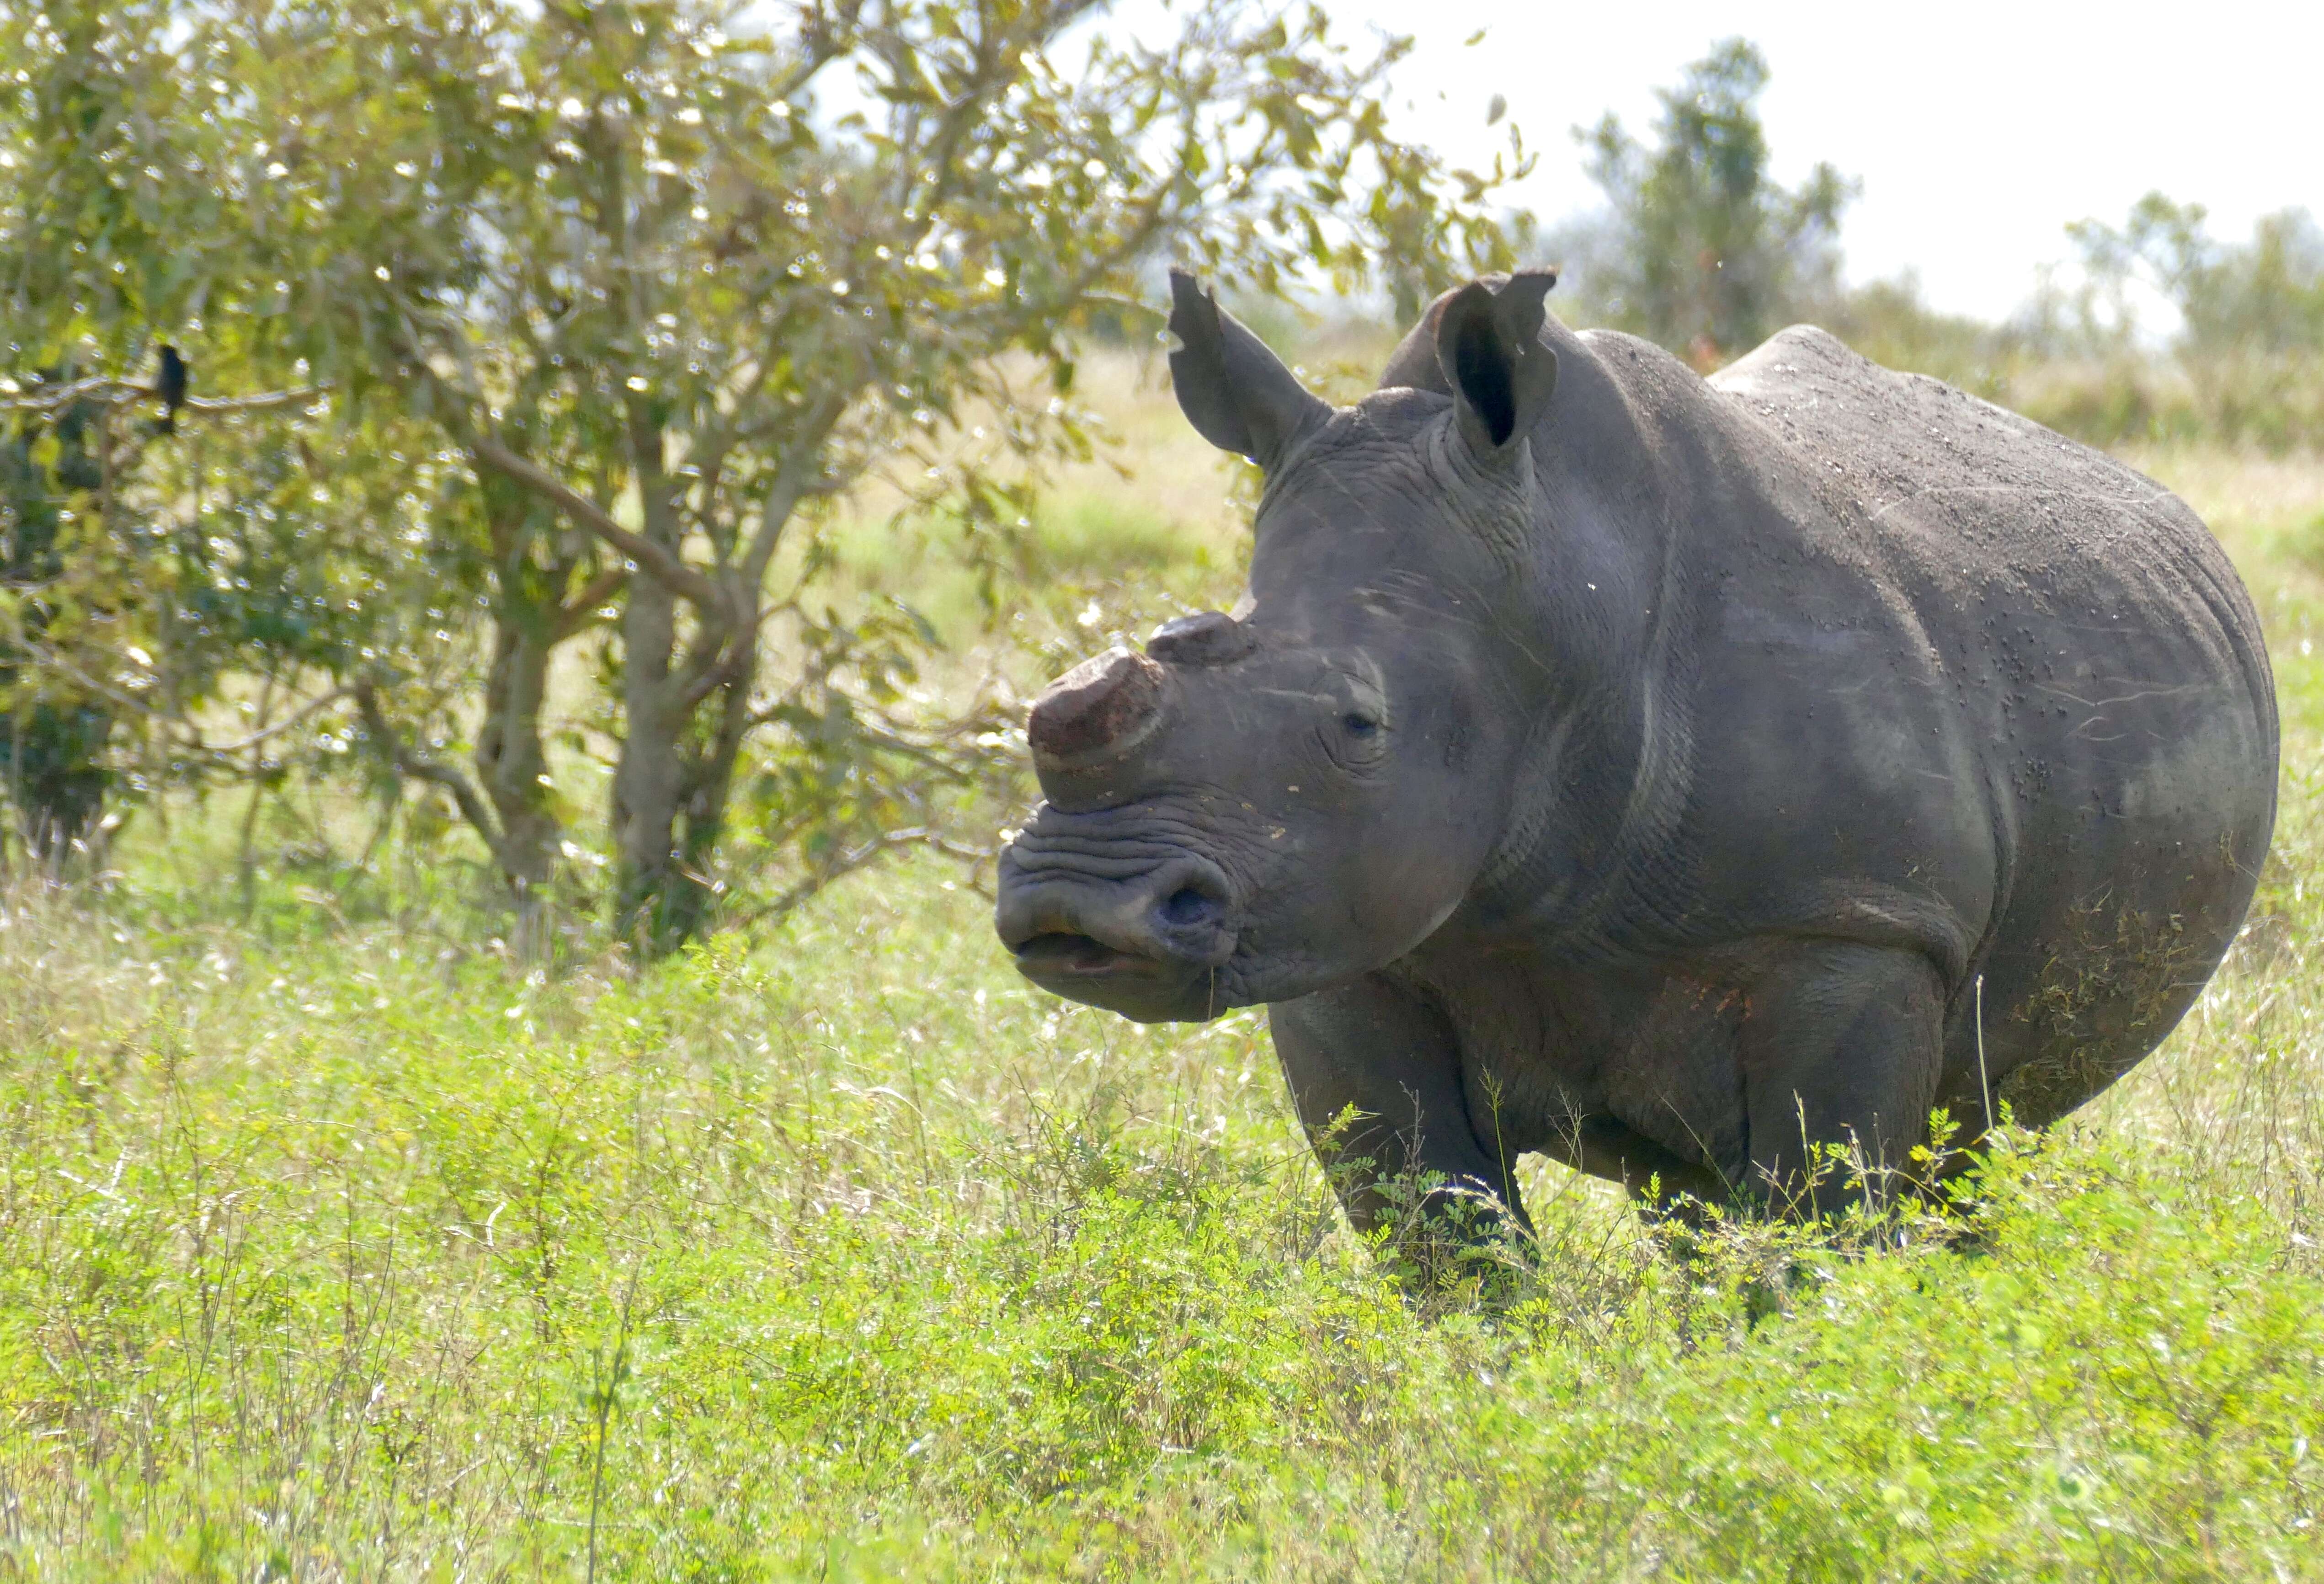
[336,1247]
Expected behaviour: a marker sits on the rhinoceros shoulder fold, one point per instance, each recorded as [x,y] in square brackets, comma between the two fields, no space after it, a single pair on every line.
[1807,377]
[1797,350]
[1893,447]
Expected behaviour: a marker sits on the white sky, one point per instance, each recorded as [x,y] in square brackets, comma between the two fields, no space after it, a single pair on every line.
[1978,128]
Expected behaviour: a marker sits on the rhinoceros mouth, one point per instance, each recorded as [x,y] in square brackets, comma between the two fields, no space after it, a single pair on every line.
[1072,956]
[1142,988]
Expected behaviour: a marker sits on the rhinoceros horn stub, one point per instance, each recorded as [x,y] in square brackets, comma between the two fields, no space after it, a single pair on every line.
[1100,708]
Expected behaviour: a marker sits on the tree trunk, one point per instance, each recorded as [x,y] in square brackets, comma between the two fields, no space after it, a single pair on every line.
[511,804]
[676,774]
[684,717]
[513,763]
[650,778]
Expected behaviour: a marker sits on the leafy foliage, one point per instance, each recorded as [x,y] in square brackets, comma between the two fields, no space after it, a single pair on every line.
[668,284]
[180,597]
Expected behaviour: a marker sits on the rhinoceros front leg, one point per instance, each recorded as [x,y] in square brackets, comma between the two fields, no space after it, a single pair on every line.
[1842,1045]
[1373,1048]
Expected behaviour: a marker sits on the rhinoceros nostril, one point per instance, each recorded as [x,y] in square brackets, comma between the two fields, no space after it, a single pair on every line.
[1105,702]
[1189,906]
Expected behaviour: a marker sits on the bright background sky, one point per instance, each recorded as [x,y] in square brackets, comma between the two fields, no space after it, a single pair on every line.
[1978,129]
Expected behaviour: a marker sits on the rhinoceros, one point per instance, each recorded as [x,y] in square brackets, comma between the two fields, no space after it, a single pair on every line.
[1673,775]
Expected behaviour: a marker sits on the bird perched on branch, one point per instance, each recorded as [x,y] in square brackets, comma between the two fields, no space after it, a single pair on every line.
[170,387]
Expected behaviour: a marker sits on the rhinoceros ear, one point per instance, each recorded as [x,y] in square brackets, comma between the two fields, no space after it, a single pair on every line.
[1488,344]
[1236,393]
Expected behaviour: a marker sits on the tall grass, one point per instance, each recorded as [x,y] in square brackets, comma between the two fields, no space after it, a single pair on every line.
[340,1247]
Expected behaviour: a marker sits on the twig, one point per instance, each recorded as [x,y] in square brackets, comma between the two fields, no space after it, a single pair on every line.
[664,565]
[1984,1083]
[609,1386]
[49,659]
[186,739]
[112,393]
[848,862]
[282,725]
[420,768]
[582,609]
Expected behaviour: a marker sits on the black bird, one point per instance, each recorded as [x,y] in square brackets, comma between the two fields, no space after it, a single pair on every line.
[170,387]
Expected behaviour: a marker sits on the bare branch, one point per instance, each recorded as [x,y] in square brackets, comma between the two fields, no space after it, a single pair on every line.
[409,762]
[856,857]
[47,658]
[112,393]
[802,463]
[706,456]
[582,609]
[723,651]
[284,725]
[664,565]
[825,43]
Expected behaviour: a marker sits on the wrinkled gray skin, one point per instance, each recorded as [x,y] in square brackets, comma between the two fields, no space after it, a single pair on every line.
[1645,771]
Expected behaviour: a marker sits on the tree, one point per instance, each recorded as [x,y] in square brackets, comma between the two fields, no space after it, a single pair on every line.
[1707,254]
[53,749]
[2265,297]
[2251,323]
[68,118]
[181,602]
[676,277]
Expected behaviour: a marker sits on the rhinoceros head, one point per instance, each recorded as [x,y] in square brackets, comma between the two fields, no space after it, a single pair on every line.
[1265,804]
